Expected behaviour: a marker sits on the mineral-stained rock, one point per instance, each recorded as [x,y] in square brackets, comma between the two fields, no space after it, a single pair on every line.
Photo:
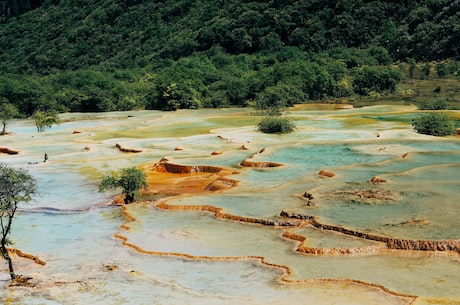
[376,179]
[130,150]
[246,163]
[326,173]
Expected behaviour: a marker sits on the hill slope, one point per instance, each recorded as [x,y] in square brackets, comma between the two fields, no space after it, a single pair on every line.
[104,55]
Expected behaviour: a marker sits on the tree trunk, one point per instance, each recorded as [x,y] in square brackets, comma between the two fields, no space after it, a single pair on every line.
[129,198]
[7,257]
[5,231]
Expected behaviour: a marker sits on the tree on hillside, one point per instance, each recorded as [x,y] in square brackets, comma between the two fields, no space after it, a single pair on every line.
[16,186]
[44,120]
[7,112]
[130,180]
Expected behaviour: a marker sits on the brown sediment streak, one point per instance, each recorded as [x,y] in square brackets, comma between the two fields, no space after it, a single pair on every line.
[8,151]
[26,255]
[129,150]
[286,271]
[391,243]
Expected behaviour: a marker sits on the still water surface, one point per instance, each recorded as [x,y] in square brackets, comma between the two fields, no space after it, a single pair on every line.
[69,225]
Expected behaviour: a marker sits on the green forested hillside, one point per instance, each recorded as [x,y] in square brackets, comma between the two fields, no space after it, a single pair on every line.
[91,55]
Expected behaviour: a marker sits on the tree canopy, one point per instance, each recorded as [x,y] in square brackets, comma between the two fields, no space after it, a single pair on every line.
[435,124]
[7,112]
[16,186]
[129,179]
[111,55]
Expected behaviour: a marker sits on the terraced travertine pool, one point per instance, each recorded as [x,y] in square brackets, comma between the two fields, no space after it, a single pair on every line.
[233,245]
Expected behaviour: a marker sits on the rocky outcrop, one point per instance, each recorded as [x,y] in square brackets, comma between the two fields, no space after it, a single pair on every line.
[246,163]
[376,179]
[309,198]
[8,151]
[325,173]
[127,150]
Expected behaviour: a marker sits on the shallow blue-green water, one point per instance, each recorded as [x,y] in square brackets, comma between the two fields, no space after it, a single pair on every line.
[68,225]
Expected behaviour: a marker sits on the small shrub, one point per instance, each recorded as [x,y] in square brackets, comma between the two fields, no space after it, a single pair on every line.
[434,105]
[435,124]
[276,124]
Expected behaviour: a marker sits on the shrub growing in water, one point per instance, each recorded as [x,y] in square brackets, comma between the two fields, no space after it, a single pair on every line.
[276,124]
[435,124]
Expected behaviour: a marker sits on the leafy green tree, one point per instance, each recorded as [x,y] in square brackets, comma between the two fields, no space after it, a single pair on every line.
[412,66]
[7,112]
[441,70]
[425,71]
[16,186]
[130,180]
[381,80]
[44,120]
[435,124]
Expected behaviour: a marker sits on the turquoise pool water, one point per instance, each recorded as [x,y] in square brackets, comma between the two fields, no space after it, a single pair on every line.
[69,225]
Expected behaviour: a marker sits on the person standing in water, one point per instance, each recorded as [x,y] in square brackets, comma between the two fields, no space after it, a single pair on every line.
[46,158]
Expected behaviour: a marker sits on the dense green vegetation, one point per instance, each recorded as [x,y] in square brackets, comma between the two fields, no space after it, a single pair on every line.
[435,124]
[119,55]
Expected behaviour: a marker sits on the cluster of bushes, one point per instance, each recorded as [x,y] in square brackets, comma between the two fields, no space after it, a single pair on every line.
[276,124]
[435,124]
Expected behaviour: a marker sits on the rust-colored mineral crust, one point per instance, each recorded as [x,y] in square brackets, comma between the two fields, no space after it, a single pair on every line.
[164,177]
[26,255]
[391,243]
